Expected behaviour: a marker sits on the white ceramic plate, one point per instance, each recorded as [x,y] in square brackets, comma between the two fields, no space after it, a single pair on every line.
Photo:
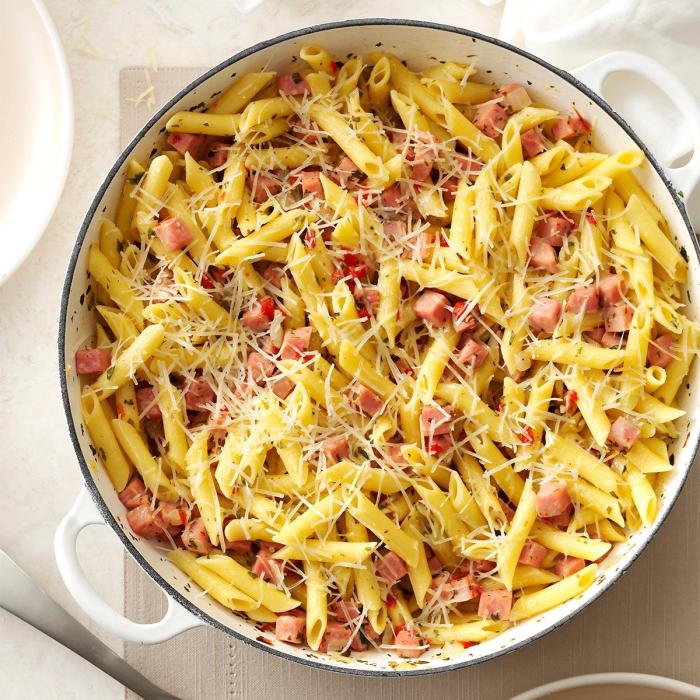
[614,686]
[36,127]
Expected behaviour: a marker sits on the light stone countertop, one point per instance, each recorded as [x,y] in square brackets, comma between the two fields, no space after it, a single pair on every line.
[40,477]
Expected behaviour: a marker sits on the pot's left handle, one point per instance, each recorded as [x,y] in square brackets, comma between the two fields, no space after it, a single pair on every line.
[686,177]
[81,515]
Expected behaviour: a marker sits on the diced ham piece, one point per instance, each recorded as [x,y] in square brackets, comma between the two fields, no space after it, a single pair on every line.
[474,353]
[570,401]
[187,143]
[396,455]
[390,567]
[290,628]
[490,119]
[659,352]
[194,537]
[173,515]
[420,172]
[259,316]
[296,342]
[174,234]
[438,444]
[543,256]
[411,646]
[146,403]
[283,387]
[218,154]
[335,638]
[259,367]
[495,605]
[623,433]
[304,132]
[436,421]
[463,589]
[336,448]
[345,610]
[570,128]
[568,566]
[544,315]
[263,186]
[367,299]
[92,360]
[553,229]
[274,274]
[513,97]
[432,307]
[292,84]
[367,401]
[552,498]
[560,521]
[134,493]
[532,554]
[347,174]
[532,143]
[395,230]
[391,197]
[465,317]
[584,298]
[311,182]
[602,337]
[617,318]
[266,567]
[199,396]
[144,521]
[611,289]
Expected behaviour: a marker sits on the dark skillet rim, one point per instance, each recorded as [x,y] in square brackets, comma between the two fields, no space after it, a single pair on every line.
[90,484]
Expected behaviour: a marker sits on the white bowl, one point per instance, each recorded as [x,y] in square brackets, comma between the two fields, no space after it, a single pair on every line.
[418,43]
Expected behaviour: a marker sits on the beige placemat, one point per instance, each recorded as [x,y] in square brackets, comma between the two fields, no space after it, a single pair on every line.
[649,622]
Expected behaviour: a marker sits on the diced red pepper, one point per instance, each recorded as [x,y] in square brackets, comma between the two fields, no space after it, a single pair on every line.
[527,437]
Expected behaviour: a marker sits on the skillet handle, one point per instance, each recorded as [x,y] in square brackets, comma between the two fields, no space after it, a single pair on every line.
[81,515]
[593,74]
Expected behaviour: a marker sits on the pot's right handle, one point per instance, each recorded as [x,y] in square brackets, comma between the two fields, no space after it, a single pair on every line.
[81,515]
[594,74]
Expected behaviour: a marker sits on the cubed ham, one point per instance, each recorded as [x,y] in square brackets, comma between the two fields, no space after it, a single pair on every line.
[570,401]
[292,84]
[217,154]
[311,182]
[474,353]
[513,97]
[296,342]
[395,230]
[568,566]
[347,174]
[532,143]
[283,387]
[173,515]
[239,546]
[490,119]
[259,316]
[544,315]
[396,455]
[532,554]
[174,234]
[263,186]
[552,498]
[465,317]
[464,588]
[366,400]
[335,448]
[335,638]
[470,165]
[259,367]
[623,433]
[92,360]
[306,132]
[274,274]
[543,256]
[134,493]
[345,610]
[420,172]
[409,645]
[187,143]
[436,421]
[618,318]
[146,403]
[390,567]
[495,605]
[194,537]
[570,128]
[199,396]
[553,228]
[611,289]
[290,628]
[602,337]
[266,567]
[449,189]
[433,308]
[391,197]
[561,521]
[584,298]
[144,521]
[367,299]
[437,445]
[659,352]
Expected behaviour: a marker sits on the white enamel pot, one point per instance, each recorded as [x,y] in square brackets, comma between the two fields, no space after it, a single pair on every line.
[417,42]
